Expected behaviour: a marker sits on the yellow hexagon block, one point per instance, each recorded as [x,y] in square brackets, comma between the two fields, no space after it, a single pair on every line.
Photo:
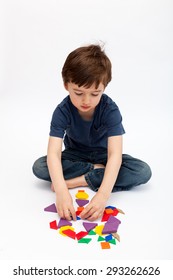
[82,195]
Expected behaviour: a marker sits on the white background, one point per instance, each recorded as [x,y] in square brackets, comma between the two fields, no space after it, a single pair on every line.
[36,37]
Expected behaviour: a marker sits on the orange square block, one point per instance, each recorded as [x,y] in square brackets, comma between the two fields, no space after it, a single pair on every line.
[109,211]
[105,245]
[80,209]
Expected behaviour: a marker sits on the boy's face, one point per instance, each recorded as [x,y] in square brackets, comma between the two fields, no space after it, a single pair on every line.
[85,99]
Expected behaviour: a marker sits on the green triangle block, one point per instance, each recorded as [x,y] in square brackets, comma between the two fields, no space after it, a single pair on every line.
[84,240]
[113,241]
[91,232]
[100,238]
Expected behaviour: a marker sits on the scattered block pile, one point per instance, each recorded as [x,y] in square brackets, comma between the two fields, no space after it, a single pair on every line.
[107,231]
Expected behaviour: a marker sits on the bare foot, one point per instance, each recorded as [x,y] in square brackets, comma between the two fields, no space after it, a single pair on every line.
[76,182]
[98,165]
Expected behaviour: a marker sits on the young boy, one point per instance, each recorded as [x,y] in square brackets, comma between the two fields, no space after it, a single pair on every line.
[91,125]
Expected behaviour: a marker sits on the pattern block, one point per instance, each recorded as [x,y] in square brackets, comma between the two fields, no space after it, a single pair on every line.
[51,208]
[89,226]
[82,202]
[64,222]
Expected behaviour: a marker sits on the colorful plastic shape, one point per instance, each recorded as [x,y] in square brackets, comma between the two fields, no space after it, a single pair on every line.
[100,238]
[64,228]
[84,240]
[112,241]
[81,208]
[107,232]
[105,245]
[120,211]
[70,233]
[64,222]
[78,213]
[113,220]
[91,232]
[89,226]
[98,229]
[116,235]
[53,225]
[110,207]
[110,227]
[108,237]
[115,212]
[109,211]
[82,195]
[82,202]
[81,234]
[51,208]
[105,217]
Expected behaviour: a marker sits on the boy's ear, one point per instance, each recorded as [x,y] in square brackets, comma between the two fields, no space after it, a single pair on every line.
[66,86]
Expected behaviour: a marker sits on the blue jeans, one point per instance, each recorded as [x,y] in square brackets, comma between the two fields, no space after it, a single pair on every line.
[133,172]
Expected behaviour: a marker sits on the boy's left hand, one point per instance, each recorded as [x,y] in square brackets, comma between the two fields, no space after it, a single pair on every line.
[95,208]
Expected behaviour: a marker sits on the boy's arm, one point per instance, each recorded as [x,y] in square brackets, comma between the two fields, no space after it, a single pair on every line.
[63,198]
[97,205]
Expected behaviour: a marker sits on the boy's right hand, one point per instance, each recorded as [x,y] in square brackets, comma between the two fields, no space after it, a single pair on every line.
[64,205]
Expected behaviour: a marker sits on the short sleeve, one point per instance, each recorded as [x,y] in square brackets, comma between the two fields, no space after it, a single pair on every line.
[58,123]
[113,120]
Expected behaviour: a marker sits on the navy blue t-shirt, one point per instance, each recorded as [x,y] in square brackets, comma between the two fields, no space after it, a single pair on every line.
[86,135]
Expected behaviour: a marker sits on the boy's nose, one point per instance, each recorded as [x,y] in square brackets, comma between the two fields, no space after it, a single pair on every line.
[86,100]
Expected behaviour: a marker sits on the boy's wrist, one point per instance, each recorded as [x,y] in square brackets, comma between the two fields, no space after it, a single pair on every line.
[60,188]
[104,193]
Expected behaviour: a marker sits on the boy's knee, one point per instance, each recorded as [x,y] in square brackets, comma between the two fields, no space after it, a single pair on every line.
[40,168]
[36,168]
[146,173]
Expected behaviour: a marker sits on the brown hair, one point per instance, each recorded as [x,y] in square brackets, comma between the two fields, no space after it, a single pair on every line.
[86,66]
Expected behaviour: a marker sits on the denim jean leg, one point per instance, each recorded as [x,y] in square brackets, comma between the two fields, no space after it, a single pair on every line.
[133,172]
[94,178]
[40,169]
[73,169]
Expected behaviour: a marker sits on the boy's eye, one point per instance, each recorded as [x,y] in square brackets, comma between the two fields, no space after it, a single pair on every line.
[80,93]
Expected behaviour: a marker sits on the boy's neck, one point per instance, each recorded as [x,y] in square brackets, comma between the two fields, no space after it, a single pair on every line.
[88,116]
